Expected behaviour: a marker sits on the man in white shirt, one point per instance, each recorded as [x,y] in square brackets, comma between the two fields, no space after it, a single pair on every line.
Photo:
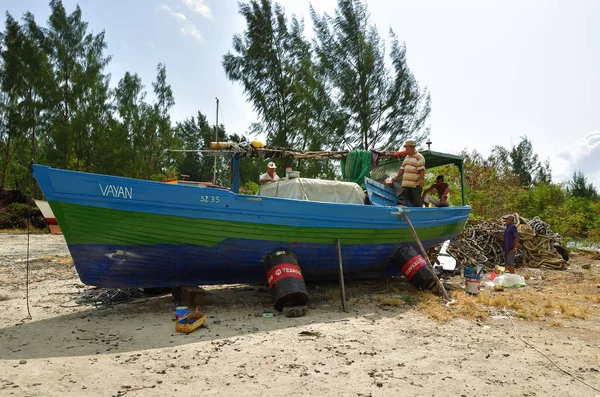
[270,175]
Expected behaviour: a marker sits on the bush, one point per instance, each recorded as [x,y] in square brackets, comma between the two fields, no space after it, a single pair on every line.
[250,188]
[14,216]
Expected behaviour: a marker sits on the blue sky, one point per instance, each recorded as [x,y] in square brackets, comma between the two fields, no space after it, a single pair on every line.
[496,70]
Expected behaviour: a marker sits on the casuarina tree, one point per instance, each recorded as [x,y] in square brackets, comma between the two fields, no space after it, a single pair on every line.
[376,107]
[272,62]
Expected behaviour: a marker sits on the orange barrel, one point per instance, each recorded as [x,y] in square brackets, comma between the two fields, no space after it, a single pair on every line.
[285,280]
[414,267]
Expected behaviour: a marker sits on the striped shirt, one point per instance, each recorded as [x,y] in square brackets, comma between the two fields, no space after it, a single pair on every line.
[411,166]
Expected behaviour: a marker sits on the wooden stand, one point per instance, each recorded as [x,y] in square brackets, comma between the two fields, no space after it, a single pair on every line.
[54,229]
[341,276]
[424,253]
[192,296]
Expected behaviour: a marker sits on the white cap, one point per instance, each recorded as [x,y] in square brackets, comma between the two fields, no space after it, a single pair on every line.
[271,165]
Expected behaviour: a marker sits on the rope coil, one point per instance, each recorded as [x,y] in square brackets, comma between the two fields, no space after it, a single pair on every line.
[481,243]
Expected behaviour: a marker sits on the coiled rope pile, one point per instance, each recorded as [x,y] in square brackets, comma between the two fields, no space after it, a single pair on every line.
[481,243]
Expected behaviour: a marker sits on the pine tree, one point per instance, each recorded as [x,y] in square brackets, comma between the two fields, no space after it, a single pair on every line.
[26,75]
[375,108]
[272,61]
[79,104]
[579,187]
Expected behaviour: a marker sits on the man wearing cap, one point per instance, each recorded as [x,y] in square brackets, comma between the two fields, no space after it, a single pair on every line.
[412,173]
[510,243]
[270,175]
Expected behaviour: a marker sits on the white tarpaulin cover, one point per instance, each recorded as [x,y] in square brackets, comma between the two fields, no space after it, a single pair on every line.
[314,190]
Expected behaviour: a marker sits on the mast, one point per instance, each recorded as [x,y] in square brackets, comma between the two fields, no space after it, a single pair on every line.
[216,140]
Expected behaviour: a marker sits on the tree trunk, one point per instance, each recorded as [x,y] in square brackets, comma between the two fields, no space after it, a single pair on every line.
[6,162]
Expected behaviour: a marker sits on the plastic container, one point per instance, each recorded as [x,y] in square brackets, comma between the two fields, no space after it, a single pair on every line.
[468,271]
[293,174]
[472,284]
[181,313]
[288,169]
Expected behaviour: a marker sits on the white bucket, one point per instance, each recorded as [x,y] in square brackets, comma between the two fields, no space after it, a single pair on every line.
[473,285]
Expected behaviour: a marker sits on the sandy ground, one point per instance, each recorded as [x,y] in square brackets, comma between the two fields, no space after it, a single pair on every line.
[377,349]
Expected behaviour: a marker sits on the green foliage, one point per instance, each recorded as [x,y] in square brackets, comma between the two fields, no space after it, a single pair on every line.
[490,193]
[337,92]
[250,188]
[57,108]
[524,161]
[375,107]
[578,187]
[541,200]
[521,161]
[272,61]
[451,174]
[494,188]
[14,216]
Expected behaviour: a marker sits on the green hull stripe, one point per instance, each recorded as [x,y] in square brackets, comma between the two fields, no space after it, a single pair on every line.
[93,225]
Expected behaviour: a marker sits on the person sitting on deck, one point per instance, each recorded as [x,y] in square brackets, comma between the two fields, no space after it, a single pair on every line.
[412,172]
[270,175]
[443,191]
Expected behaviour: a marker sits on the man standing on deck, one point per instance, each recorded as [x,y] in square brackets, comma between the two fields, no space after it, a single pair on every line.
[412,173]
[510,243]
[270,175]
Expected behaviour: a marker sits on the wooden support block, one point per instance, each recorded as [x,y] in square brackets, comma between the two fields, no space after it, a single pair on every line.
[294,311]
[55,229]
[192,296]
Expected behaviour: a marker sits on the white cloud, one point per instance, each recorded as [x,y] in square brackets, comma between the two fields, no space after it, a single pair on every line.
[191,30]
[582,155]
[187,27]
[199,6]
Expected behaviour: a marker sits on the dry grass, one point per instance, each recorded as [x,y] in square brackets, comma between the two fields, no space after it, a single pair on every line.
[53,262]
[555,297]
[24,231]
[388,300]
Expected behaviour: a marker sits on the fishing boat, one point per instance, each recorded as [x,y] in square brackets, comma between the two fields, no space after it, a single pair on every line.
[125,232]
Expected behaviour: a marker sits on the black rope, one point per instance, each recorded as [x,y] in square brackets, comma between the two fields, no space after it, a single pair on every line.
[103,298]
